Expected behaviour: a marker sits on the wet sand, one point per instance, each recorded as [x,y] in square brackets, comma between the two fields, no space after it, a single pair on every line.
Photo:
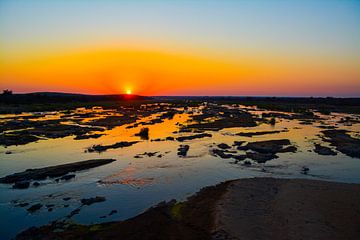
[267,208]
[257,208]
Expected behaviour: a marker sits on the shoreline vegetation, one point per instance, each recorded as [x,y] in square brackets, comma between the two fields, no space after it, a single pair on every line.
[51,101]
[255,208]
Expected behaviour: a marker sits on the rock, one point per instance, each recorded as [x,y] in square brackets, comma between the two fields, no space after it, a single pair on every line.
[22,205]
[223,146]
[238,143]
[113,212]
[201,135]
[247,163]
[305,170]
[36,184]
[8,152]
[269,146]
[343,142]
[182,150]
[66,198]
[143,134]
[251,134]
[261,157]
[87,136]
[67,177]
[101,148]
[34,208]
[89,201]
[322,150]
[21,185]
[222,153]
[54,171]
[272,121]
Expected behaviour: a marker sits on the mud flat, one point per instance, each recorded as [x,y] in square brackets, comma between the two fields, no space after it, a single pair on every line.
[257,208]
[53,171]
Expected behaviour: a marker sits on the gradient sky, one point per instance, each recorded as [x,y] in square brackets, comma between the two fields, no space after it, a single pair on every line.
[282,48]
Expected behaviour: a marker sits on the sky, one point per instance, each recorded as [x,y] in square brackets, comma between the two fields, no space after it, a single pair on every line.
[198,47]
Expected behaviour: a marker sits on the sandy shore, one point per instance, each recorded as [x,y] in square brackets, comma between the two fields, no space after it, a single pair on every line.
[258,208]
[267,208]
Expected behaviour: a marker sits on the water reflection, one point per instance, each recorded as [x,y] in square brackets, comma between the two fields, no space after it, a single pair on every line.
[133,183]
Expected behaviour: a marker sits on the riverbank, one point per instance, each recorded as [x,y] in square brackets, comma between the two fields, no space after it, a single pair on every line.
[257,208]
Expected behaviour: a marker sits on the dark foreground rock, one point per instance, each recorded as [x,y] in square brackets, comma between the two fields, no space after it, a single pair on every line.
[240,209]
[343,142]
[54,171]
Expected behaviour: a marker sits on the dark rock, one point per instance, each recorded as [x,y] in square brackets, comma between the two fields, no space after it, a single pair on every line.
[54,171]
[22,205]
[201,135]
[270,146]
[103,148]
[34,208]
[21,185]
[261,157]
[8,152]
[182,150]
[322,150]
[143,134]
[250,134]
[222,153]
[247,163]
[89,201]
[238,143]
[67,177]
[113,212]
[66,198]
[305,170]
[88,136]
[343,142]
[36,184]
[223,146]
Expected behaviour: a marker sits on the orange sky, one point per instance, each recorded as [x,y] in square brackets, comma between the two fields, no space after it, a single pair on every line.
[162,73]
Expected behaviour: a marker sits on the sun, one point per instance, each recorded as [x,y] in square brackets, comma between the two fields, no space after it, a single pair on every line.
[128,92]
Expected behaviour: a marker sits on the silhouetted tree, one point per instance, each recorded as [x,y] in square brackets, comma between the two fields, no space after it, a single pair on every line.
[7,92]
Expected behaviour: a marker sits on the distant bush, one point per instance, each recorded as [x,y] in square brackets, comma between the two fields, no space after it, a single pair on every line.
[7,92]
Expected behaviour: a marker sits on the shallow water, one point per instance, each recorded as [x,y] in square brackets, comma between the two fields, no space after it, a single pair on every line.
[131,185]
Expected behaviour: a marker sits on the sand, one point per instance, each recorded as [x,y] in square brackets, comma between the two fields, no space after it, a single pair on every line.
[257,208]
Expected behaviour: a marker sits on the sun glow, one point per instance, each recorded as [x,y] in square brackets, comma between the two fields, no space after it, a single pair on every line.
[128,91]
